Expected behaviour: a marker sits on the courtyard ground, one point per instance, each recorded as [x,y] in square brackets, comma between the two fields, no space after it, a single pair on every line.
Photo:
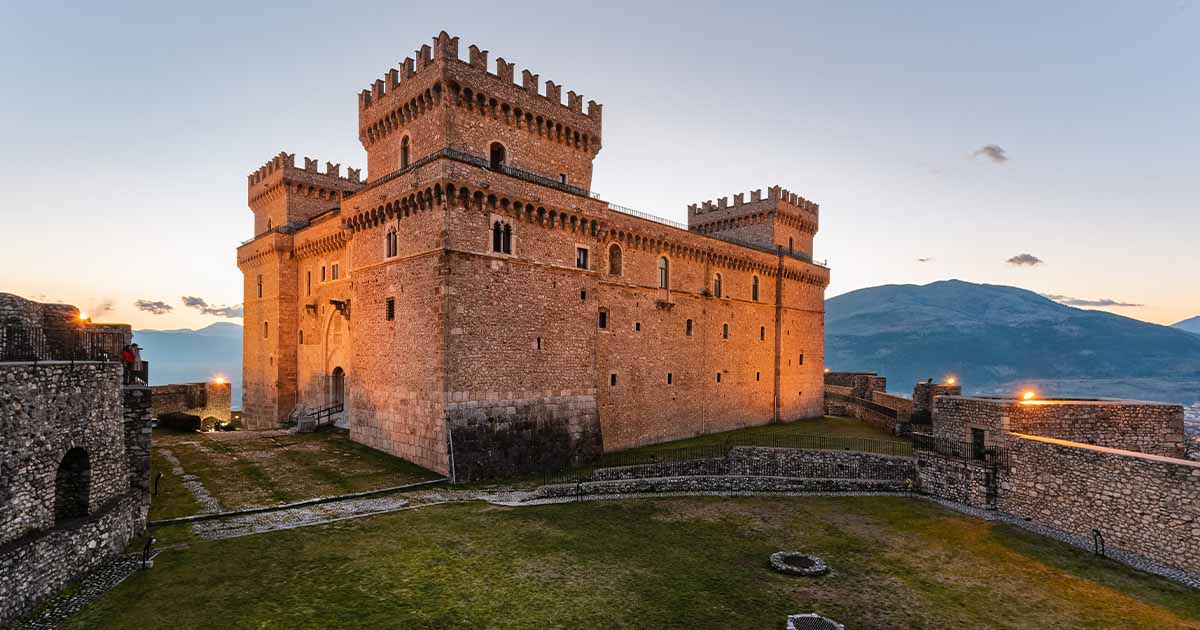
[855,431]
[644,563]
[250,469]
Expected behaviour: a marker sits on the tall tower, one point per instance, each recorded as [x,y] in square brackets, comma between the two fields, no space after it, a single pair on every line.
[401,122]
[284,199]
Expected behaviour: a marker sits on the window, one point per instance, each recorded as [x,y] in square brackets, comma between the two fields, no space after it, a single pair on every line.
[404,152]
[791,245]
[334,271]
[501,237]
[72,486]
[583,295]
[308,283]
[612,379]
[689,328]
[390,309]
[762,333]
[614,260]
[664,273]
[669,378]
[757,375]
[539,343]
[260,285]
[725,331]
[322,273]
[717,285]
[637,326]
[801,361]
[603,319]
[391,244]
[754,288]
[718,377]
[498,156]
[266,329]
[302,337]
[562,178]
[581,257]
[268,225]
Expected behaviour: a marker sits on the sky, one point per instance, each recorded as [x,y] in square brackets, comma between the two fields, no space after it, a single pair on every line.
[1050,146]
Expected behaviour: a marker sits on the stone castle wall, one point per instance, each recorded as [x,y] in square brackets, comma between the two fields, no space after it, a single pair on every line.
[205,400]
[1146,504]
[49,413]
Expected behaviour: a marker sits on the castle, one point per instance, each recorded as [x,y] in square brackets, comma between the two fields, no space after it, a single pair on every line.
[474,308]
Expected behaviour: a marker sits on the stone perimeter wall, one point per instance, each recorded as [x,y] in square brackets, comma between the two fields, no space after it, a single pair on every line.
[1145,504]
[46,410]
[198,399]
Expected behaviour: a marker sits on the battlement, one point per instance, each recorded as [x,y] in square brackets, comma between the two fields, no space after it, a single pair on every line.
[285,161]
[445,49]
[775,194]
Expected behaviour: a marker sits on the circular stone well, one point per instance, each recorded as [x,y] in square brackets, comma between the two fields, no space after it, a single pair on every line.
[796,563]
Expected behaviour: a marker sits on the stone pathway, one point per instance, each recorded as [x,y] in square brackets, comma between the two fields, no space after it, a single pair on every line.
[208,503]
[55,612]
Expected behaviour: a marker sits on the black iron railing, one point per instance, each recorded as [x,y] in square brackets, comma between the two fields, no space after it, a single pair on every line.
[959,449]
[326,415]
[20,341]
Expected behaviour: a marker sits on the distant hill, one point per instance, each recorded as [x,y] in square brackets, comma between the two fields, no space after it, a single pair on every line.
[187,356]
[998,338]
[1191,325]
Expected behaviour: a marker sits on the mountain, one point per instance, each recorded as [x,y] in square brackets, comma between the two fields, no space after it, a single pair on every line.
[997,338]
[1191,325]
[188,356]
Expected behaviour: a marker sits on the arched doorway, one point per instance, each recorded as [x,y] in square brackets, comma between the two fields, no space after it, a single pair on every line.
[337,387]
[497,156]
[72,486]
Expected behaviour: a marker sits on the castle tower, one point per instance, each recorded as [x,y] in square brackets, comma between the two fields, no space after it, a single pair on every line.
[782,219]
[492,118]
[284,199]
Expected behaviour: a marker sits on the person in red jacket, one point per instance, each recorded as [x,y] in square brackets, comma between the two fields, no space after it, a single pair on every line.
[127,359]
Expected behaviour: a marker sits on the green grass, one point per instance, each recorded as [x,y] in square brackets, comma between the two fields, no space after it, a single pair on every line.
[655,563]
[252,470]
[829,426]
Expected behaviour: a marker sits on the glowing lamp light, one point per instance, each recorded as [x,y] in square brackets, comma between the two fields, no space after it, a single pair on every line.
[950,380]
[83,316]
[826,370]
[1028,395]
[219,380]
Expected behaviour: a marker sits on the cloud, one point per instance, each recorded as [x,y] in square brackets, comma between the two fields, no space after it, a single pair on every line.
[156,307]
[220,311]
[993,152]
[101,309]
[1025,260]
[1074,301]
[924,260]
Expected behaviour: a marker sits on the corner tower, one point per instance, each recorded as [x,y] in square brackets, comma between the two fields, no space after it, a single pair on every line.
[490,118]
[279,193]
[781,219]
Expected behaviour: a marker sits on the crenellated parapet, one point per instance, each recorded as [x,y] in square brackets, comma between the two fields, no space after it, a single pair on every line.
[781,218]
[776,196]
[280,175]
[437,76]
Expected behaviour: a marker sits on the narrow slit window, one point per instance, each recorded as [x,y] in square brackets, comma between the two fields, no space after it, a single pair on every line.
[670,378]
[390,309]
[689,328]
[603,319]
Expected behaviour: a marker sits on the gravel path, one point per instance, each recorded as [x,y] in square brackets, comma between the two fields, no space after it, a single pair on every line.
[208,503]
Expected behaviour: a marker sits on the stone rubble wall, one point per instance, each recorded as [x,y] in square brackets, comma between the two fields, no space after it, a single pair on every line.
[955,479]
[716,484]
[204,400]
[762,461]
[902,404]
[1146,504]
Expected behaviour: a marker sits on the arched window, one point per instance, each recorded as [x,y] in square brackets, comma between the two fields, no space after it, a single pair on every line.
[391,245]
[614,260]
[72,486]
[337,386]
[498,156]
[507,238]
[725,331]
[664,273]
[404,152]
[717,285]
[754,288]
[268,225]
[501,237]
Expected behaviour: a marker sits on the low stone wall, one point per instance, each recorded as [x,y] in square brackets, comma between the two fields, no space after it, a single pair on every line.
[902,404]
[41,564]
[699,467]
[1145,504]
[869,412]
[716,484]
[860,384]
[956,479]
[761,461]
[204,400]
[504,438]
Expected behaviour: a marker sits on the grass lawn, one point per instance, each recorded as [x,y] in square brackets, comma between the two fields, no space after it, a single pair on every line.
[653,563]
[243,470]
[829,426]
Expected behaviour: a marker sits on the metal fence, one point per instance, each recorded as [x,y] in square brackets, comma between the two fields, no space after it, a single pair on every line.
[988,454]
[713,459]
[20,341]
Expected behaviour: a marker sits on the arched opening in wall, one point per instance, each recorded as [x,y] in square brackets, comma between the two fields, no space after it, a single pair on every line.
[614,260]
[717,285]
[664,273]
[498,156]
[404,152]
[268,225]
[337,387]
[72,486]
[754,288]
